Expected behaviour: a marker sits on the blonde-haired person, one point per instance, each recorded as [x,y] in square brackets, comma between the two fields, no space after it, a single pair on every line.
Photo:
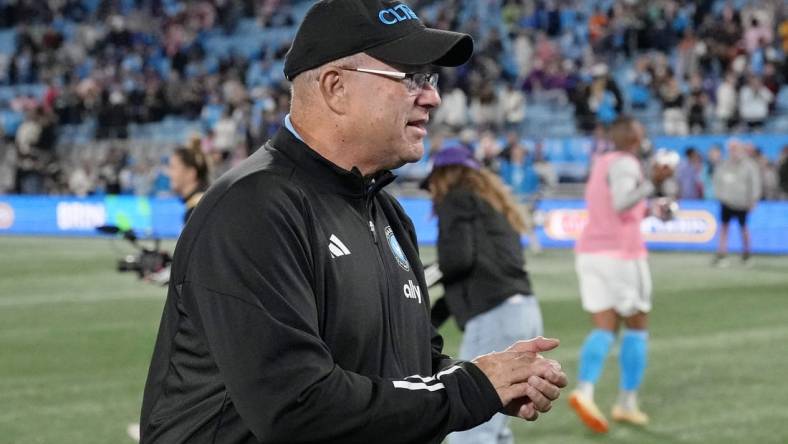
[487,288]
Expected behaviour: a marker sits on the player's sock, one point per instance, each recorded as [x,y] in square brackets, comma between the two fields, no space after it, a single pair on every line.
[633,359]
[592,357]
[586,389]
[628,400]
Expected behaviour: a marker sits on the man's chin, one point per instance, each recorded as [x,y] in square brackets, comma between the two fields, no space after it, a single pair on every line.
[416,152]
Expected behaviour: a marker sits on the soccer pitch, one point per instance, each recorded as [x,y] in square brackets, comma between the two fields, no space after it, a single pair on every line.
[76,338]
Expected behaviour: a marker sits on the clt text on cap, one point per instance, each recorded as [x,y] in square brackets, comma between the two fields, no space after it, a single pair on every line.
[390,16]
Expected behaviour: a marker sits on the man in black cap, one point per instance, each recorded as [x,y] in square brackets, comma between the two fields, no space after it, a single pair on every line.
[297,309]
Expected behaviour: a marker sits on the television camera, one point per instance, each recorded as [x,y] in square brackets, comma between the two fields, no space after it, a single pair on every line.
[149,262]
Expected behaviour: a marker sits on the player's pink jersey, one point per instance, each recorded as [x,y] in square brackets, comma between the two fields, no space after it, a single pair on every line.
[607,231]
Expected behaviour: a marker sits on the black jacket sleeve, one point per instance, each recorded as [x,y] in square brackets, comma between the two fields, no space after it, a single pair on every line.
[439,312]
[250,291]
[456,240]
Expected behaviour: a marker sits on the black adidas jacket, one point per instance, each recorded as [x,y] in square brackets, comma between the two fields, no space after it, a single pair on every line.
[290,318]
[480,255]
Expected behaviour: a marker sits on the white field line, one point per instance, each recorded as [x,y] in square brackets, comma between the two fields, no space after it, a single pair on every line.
[38,299]
[41,331]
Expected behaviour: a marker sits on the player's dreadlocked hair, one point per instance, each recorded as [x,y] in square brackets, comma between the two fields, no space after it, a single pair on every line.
[482,182]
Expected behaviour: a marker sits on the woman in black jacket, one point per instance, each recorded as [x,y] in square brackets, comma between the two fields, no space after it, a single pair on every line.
[480,255]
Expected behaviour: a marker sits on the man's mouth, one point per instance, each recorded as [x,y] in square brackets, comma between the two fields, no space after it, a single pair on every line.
[419,123]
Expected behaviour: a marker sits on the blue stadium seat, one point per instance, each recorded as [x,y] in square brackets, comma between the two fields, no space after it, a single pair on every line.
[8,42]
[782,100]
[10,121]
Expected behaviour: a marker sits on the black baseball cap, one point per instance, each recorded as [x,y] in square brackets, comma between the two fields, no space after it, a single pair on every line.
[387,30]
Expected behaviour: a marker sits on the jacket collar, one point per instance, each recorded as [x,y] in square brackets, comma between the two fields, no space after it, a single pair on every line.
[191,200]
[325,173]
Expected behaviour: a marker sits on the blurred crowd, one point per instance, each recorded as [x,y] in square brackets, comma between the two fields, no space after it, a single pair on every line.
[115,66]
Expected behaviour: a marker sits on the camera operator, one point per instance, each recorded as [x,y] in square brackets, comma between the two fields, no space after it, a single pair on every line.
[189,172]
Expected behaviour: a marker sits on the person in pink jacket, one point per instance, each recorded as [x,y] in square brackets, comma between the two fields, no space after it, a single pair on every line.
[612,268]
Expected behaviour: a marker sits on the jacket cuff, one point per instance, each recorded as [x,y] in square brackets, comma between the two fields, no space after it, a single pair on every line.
[473,399]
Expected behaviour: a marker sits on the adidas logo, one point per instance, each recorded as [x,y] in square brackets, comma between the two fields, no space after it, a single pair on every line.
[336,247]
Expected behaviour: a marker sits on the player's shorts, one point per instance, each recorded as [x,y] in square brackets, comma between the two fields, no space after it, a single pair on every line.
[608,282]
[727,213]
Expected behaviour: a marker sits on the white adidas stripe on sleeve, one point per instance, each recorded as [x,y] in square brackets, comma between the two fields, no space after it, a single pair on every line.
[418,386]
[425,380]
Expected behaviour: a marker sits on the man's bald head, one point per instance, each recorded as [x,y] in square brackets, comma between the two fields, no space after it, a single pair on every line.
[627,134]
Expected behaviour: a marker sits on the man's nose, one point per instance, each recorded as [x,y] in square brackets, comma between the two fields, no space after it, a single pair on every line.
[429,97]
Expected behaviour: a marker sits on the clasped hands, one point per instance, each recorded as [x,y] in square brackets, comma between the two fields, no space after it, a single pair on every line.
[526,382]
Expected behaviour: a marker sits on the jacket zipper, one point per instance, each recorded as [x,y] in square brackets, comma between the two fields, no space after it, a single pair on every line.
[372,229]
[387,294]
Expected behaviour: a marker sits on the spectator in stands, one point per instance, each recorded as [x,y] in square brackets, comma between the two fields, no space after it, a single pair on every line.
[674,118]
[640,80]
[30,158]
[113,116]
[782,30]
[597,27]
[225,132]
[737,185]
[82,180]
[489,150]
[754,102]
[600,101]
[548,177]
[108,181]
[782,172]
[517,170]
[773,81]
[7,166]
[485,109]
[690,175]
[725,34]
[513,107]
[757,34]
[727,98]
[480,256]
[697,106]
[523,52]
[137,50]
[454,112]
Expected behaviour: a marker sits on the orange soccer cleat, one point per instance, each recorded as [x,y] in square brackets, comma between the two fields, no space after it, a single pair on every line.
[588,412]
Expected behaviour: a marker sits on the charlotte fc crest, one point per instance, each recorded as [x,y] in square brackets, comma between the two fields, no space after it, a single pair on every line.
[396,250]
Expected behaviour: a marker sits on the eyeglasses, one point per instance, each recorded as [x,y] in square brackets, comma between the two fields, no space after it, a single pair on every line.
[414,81]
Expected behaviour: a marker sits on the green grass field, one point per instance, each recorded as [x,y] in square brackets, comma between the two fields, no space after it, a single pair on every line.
[75,339]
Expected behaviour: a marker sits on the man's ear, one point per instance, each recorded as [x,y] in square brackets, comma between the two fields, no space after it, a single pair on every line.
[333,89]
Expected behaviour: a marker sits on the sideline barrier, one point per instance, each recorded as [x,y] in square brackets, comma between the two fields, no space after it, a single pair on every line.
[696,227]
[559,222]
[73,216]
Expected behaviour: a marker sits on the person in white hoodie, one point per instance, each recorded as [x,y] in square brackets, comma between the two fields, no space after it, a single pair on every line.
[737,185]
[726,101]
[754,101]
